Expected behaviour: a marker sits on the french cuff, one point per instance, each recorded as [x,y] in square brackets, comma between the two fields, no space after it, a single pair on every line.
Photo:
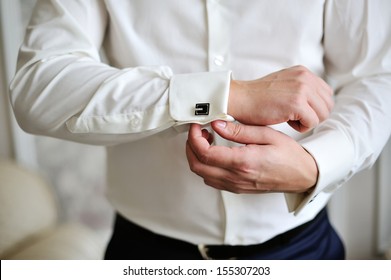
[334,156]
[199,97]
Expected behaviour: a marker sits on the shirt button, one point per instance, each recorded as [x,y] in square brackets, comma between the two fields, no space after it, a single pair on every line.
[135,122]
[219,60]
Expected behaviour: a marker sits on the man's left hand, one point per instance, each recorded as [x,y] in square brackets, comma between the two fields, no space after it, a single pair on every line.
[270,161]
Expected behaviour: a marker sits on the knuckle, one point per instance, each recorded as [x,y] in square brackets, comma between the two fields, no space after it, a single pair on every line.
[302,71]
[204,158]
[236,130]
[302,88]
[208,183]
[196,166]
[236,190]
[329,89]
[331,105]
[193,167]
[234,187]
[297,100]
[303,79]
[247,173]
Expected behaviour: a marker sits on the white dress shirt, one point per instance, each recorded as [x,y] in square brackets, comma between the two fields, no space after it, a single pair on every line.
[161,58]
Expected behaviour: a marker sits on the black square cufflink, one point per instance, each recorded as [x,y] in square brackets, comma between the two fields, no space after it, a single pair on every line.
[202,109]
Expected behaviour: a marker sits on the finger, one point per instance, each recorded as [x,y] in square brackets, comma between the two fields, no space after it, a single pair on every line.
[326,88]
[200,136]
[208,136]
[305,119]
[327,94]
[203,169]
[219,156]
[323,95]
[318,95]
[246,134]
[298,126]
[227,182]
[322,101]
[218,178]
[195,130]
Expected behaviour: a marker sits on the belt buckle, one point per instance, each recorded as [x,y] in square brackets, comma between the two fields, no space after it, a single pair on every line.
[204,251]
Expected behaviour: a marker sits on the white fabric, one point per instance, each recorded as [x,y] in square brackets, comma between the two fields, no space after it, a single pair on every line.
[62,89]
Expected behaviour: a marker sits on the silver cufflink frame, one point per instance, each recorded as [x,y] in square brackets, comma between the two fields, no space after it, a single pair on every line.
[202,109]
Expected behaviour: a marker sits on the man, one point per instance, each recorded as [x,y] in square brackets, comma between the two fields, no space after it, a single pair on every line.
[248,76]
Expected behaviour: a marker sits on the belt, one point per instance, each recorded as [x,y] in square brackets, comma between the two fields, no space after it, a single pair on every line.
[226,252]
[125,229]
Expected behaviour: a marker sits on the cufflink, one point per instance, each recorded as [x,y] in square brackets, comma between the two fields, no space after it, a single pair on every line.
[201,109]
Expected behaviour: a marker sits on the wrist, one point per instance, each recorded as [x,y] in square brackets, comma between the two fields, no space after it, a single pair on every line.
[235,100]
[313,172]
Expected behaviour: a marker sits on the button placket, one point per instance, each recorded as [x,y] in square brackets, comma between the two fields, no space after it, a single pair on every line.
[219,60]
[218,57]
[218,35]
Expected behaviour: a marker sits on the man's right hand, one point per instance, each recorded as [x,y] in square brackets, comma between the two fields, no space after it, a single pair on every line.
[294,95]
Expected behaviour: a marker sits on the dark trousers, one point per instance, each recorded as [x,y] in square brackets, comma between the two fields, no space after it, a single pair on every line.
[315,240]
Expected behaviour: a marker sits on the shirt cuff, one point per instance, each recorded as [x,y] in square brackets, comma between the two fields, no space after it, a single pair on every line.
[199,97]
[334,156]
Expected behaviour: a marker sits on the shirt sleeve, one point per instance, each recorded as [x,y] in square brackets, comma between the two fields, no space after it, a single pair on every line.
[358,64]
[63,89]
[199,97]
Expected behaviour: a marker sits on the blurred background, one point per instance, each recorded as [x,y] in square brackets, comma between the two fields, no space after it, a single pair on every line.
[70,217]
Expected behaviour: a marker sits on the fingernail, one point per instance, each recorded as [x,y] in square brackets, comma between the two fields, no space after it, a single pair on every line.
[221,124]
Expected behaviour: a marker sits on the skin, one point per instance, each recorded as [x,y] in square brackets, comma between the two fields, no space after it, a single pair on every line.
[294,95]
[270,161]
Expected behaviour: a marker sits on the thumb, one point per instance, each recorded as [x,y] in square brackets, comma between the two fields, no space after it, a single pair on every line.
[246,134]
